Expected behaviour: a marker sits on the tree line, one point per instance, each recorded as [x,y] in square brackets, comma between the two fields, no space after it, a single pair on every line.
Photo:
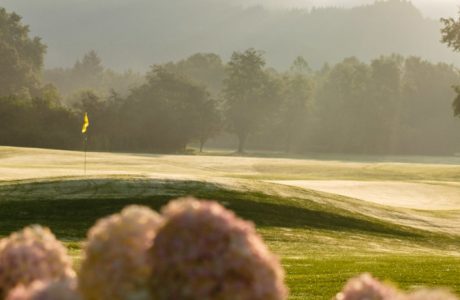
[390,105]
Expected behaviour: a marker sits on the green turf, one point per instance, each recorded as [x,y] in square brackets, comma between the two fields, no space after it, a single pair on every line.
[320,245]
[322,239]
[319,278]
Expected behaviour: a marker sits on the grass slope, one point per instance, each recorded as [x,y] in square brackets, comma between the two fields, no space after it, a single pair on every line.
[323,239]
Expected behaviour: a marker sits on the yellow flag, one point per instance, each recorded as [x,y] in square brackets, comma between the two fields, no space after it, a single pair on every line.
[85,123]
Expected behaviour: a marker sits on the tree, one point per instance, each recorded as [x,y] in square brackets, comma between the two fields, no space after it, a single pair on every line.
[21,57]
[37,122]
[386,88]
[300,66]
[249,93]
[451,33]
[426,98]
[166,113]
[344,110]
[451,37]
[296,103]
[89,73]
[456,104]
[203,68]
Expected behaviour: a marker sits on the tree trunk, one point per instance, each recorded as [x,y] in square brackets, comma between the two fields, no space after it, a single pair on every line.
[202,141]
[242,142]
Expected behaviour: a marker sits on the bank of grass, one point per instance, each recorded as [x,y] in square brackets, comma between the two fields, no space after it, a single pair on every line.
[321,245]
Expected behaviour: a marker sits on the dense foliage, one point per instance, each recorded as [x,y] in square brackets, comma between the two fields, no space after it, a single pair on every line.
[391,105]
[89,73]
[21,56]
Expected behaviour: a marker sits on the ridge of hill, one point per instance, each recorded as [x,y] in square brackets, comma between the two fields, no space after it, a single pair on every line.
[142,32]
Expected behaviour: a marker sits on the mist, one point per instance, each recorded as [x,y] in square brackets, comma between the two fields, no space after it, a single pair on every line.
[153,32]
[432,9]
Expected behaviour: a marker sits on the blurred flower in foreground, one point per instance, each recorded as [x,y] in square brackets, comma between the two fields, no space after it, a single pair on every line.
[46,290]
[116,264]
[431,295]
[365,287]
[203,251]
[29,255]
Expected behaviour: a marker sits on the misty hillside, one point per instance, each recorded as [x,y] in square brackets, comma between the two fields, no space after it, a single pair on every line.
[138,33]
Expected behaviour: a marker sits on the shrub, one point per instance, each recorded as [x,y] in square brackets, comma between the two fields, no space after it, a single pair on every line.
[431,295]
[115,264]
[365,287]
[29,255]
[46,290]
[203,251]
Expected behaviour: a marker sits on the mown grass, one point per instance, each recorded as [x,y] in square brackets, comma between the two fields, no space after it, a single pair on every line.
[39,163]
[321,245]
[319,278]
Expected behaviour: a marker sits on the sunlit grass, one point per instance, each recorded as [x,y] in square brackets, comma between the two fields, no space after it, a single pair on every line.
[323,239]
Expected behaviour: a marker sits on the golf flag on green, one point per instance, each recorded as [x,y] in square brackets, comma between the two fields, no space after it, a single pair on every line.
[85,123]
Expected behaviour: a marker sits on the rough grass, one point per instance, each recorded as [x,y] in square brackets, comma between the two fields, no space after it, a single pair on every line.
[323,239]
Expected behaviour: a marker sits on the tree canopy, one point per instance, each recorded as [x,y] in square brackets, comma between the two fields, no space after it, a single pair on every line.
[250,94]
[21,56]
[451,37]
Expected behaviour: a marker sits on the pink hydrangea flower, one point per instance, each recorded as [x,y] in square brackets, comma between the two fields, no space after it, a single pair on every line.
[203,251]
[116,264]
[32,254]
[365,287]
[46,290]
[431,295]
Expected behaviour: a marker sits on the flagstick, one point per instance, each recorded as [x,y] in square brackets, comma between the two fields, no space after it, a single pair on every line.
[85,146]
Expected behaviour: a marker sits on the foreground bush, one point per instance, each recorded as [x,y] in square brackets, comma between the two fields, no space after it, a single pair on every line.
[29,255]
[46,290]
[203,251]
[431,295]
[116,265]
[365,287]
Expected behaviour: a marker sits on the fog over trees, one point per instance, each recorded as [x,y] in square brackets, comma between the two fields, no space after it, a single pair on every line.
[381,104]
[138,33]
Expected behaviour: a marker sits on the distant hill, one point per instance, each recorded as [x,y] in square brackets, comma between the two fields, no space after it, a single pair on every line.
[137,33]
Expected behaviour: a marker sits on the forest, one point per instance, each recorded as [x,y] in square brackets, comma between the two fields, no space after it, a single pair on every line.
[392,104]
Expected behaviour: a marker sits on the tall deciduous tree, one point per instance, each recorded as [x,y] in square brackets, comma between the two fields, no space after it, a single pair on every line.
[297,99]
[386,89]
[341,98]
[21,56]
[250,94]
[166,113]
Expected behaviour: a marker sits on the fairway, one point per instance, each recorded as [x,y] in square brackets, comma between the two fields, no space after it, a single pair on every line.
[327,219]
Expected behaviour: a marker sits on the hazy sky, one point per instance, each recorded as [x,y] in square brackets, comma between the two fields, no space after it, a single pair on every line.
[431,8]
